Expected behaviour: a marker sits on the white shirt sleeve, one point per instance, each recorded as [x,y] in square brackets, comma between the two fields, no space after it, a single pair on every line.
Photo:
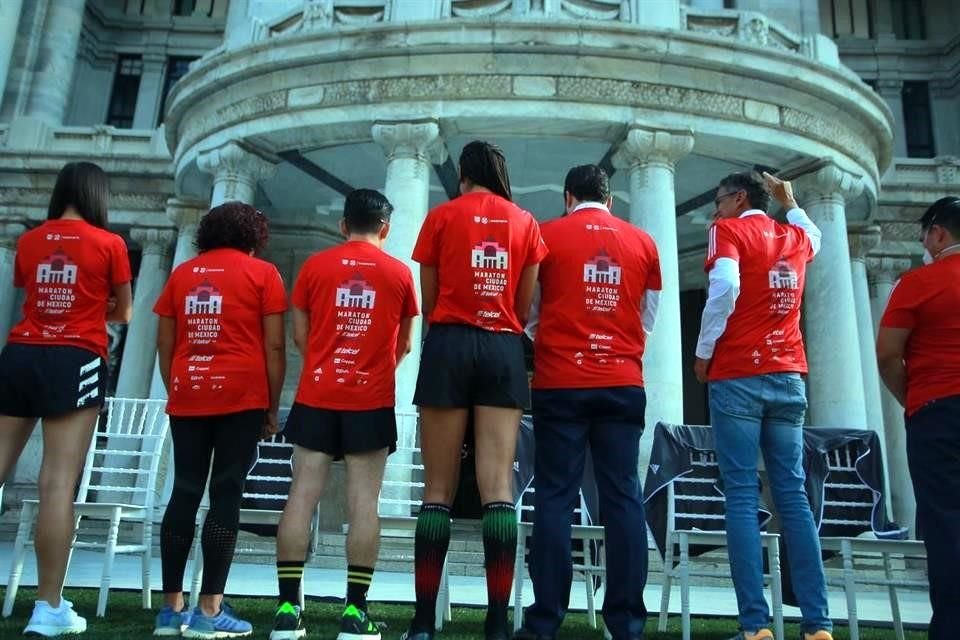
[533,321]
[799,217]
[651,302]
[721,301]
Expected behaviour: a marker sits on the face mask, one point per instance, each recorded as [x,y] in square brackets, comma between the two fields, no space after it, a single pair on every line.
[927,258]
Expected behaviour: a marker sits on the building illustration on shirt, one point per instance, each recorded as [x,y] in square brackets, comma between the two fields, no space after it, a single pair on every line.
[204,299]
[356,292]
[57,268]
[782,276]
[601,269]
[487,254]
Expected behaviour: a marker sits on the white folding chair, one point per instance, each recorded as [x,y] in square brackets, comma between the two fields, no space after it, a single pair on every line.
[848,503]
[128,429]
[584,562]
[690,523]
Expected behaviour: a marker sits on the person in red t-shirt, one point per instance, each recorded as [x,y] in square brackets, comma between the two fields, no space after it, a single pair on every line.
[918,352]
[222,359]
[751,352]
[353,312]
[479,256]
[76,276]
[599,289]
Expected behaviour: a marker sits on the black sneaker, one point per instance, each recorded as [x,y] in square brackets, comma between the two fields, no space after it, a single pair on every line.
[355,625]
[288,625]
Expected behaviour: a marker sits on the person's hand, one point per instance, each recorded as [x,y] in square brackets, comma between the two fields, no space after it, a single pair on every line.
[700,369]
[782,190]
[271,425]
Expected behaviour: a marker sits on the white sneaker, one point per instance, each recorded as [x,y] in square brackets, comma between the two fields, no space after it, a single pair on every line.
[50,622]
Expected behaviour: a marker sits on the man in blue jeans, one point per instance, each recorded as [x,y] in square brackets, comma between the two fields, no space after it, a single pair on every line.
[598,300]
[751,351]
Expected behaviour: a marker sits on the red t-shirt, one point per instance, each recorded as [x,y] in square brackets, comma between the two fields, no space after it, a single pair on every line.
[68,269]
[592,287]
[763,333]
[480,244]
[218,301]
[927,301]
[356,296]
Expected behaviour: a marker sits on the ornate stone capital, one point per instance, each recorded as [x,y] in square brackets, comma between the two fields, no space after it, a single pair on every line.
[154,241]
[828,183]
[948,169]
[644,145]
[886,269]
[862,240]
[405,139]
[10,232]
[185,213]
[231,161]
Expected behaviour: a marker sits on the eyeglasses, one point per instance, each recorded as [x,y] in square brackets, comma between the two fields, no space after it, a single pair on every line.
[718,199]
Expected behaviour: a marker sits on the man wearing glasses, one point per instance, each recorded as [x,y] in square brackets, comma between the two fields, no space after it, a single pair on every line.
[751,353]
[918,352]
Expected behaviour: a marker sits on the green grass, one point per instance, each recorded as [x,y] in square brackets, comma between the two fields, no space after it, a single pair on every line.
[125,619]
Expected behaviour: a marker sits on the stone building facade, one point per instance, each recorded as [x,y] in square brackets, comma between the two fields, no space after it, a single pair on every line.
[288,104]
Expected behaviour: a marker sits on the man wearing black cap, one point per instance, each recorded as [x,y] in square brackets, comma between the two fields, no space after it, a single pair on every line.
[918,351]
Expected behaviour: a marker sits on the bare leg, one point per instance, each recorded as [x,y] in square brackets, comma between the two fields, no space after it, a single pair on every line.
[14,433]
[496,434]
[65,442]
[364,479]
[310,469]
[441,440]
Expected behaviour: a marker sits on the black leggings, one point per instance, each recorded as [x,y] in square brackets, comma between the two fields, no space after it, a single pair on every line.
[231,440]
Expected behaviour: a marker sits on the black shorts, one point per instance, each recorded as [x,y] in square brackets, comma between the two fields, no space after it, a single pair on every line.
[340,433]
[39,381]
[463,366]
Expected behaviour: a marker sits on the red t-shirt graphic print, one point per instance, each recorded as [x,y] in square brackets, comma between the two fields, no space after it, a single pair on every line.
[218,301]
[480,244]
[763,332]
[356,296]
[68,269]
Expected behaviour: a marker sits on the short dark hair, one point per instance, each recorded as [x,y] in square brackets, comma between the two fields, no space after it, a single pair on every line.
[944,212]
[85,187]
[233,225]
[484,165]
[588,182]
[366,210]
[755,188]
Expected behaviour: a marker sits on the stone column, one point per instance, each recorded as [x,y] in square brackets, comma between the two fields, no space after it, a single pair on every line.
[151,86]
[835,384]
[186,215]
[649,156]
[892,93]
[236,172]
[406,145]
[9,22]
[863,239]
[140,348]
[9,232]
[883,272]
[53,78]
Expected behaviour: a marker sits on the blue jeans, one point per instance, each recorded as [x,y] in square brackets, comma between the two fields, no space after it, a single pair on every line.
[565,423]
[766,413]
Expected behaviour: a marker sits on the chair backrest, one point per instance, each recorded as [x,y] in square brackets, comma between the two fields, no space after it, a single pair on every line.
[124,454]
[402,491]
[694,501]
[270,475]
[848,502]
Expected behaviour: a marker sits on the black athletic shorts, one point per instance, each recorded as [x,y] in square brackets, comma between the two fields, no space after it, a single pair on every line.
[340,433]
[38,381]
[463,366]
